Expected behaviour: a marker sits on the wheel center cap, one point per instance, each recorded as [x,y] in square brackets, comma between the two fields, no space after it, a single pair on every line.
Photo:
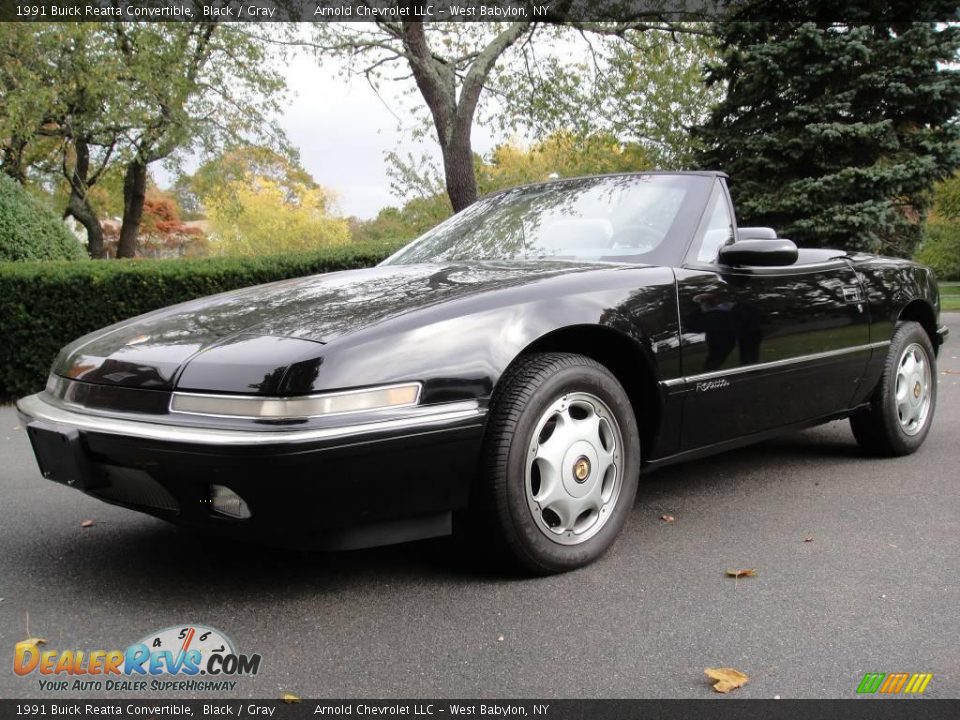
[917,390]
[581,469]
[578,469]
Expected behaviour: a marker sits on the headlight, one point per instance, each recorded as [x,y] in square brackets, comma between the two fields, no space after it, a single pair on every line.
[246,406]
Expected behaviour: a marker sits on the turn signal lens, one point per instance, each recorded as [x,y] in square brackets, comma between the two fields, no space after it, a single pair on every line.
[226,502]
[390,396]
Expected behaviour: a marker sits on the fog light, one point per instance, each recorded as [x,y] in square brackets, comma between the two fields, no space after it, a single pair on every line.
[226,502]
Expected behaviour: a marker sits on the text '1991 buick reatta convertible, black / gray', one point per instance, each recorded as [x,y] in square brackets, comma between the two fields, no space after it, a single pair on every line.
[519,366]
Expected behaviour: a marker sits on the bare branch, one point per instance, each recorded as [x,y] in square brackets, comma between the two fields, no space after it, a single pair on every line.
[477,76]
[103,165]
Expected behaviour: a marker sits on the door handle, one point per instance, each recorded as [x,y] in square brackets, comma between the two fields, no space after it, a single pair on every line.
[851,295]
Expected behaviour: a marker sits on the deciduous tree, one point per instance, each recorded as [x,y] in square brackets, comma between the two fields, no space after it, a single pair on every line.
[561,154]
[455,65]
[236,164]
[940,248]
[644,89]
[64,110]
[198,85]
[256,215]
[163,232]
[94,96]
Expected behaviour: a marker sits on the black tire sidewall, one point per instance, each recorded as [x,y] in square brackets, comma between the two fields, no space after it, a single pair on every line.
[543,552]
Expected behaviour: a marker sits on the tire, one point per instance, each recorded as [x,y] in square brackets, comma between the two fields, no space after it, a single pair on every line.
[892,426]
[557,507]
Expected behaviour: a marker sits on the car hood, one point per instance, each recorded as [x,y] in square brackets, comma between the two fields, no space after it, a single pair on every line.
[279,329]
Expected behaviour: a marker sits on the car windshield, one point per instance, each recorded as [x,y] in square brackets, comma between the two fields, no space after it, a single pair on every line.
[613,218]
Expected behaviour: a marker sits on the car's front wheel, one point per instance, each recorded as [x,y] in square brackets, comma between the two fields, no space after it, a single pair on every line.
[562,461]
[901,410]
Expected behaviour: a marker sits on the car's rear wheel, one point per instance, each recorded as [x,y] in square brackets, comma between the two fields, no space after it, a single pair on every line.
[562,461]
[900,413]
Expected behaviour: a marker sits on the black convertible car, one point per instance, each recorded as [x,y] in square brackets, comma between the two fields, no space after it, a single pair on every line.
[523,361]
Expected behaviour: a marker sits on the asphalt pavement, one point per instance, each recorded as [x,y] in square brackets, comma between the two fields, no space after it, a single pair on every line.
[857,562]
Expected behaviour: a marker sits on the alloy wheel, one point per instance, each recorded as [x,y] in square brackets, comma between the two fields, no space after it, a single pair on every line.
[574,468]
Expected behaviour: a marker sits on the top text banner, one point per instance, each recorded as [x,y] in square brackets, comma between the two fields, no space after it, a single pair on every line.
[545,11]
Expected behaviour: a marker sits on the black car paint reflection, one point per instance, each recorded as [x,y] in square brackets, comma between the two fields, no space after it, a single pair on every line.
[726,324]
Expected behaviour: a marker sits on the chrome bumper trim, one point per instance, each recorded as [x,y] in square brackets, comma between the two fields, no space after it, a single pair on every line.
[786,362]
[429,418]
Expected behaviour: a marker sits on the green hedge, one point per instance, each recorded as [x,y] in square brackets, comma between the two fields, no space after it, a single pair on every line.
[45,305]
[31,231]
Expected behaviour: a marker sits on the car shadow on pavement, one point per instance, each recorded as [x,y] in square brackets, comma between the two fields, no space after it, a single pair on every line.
[141,554]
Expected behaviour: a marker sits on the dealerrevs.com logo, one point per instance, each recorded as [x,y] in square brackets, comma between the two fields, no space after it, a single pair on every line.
[181,657]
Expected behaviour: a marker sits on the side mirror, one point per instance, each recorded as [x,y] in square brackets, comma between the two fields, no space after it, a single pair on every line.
[759,253]
[756,233]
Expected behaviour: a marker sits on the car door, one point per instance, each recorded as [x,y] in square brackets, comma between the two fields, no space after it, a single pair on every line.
[763,347]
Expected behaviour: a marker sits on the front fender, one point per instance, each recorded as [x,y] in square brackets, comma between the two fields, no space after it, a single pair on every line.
[463,356]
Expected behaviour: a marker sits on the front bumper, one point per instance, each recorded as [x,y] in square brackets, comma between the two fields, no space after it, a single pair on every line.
[352,485]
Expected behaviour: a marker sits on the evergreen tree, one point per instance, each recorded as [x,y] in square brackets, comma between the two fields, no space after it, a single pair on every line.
[835,133]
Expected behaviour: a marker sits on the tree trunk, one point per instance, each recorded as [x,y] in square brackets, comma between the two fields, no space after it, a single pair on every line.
[458,172]
[79,208]
[12,162]
[134,194]
[453,114]
[78,205]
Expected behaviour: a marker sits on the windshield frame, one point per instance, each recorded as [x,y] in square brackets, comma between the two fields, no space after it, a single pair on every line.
[698,187]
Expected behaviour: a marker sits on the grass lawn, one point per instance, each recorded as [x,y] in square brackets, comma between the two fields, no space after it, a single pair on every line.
[950,296]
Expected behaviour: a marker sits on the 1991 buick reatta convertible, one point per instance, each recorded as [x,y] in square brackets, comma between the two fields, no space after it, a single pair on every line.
[523,363]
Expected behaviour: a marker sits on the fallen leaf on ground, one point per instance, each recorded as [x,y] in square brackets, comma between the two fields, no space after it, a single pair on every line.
[727,679]
[33,641]
[741,573]
[667,518]
[809,538]
[289,697]
[87,523]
